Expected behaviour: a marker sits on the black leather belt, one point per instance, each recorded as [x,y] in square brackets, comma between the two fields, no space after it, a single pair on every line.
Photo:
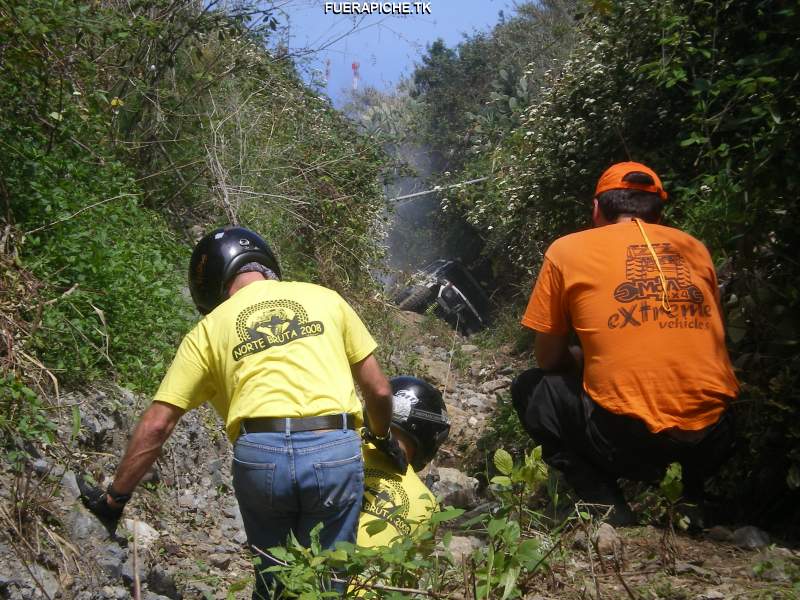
[279,424]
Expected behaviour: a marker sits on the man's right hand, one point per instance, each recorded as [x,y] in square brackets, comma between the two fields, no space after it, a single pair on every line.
[96,500]
[390,448]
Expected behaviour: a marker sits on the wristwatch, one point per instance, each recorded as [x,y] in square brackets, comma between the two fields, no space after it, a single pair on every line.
[116,496]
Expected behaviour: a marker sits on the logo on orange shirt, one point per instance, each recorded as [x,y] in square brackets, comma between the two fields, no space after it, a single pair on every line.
[643,286]
[643,281]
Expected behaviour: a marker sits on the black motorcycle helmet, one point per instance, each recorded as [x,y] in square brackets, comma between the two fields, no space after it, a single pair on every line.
[216,259]
[419,411]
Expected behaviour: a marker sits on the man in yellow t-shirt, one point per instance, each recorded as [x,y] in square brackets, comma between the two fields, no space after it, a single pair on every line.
[421,425]
[651,380]
[277,361]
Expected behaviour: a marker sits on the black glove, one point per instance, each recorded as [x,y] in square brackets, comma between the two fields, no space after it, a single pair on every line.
[95,500]
[389,447]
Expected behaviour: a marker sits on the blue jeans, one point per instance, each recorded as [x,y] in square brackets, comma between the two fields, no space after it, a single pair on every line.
[290,482]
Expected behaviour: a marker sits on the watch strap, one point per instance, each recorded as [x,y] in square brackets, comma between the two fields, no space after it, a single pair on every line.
[116,496]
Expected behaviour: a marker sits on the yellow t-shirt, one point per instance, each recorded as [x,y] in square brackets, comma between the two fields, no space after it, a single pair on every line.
[273,349]
[402,501]
[667,369]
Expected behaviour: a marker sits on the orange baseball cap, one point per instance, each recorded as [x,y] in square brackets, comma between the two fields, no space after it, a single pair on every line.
[614,179]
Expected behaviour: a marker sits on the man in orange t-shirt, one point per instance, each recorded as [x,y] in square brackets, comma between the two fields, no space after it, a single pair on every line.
[651,380]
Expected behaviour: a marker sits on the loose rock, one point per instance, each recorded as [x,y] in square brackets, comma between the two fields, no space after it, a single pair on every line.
[456,488]
[495,385]
[607,540]
[220,561]
[720,534]
[750,537]
[146,536]
[462,547]
[162,582]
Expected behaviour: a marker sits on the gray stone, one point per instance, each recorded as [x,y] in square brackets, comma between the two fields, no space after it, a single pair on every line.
[439,373]
[220,561]
[40,466]
[234,513]
[240,538]
[719,533]
[495,385]
[712,594]
[187,500]
[111,559]
[128,572]
[126,397]
[198,589]
[48,580]
[96,428]
[455,488]
[161,581]
[69,486]
[477,401]
[115,593]
[215,468]
[607,540]
[462,547]
[146,536]
[469,349]
[5,581]
[82,526]
[750,537]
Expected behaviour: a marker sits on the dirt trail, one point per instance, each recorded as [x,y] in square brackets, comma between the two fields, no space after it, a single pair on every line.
[189,538]
[732,561]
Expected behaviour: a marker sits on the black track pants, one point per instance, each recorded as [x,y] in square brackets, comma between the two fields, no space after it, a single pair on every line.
[593,447]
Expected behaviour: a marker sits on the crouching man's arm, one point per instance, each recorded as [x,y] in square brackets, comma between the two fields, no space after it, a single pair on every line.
[553,353]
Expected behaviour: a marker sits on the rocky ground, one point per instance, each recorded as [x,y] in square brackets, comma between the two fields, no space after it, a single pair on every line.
[182,535]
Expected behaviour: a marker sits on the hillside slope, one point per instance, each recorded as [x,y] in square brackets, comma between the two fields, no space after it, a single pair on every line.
[189,541]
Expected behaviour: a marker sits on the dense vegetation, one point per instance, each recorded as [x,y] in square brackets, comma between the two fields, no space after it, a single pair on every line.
[707,93]
[129,128]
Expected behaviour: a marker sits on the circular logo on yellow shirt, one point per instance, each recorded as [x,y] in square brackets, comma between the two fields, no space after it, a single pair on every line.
[272,323]
[385,498]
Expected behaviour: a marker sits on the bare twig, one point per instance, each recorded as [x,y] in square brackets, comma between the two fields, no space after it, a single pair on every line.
[64,295]
[435,190]
[450,359]
[617,570]
[137,591]
[20,554]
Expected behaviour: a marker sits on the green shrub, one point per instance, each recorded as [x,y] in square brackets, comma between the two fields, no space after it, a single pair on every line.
[23,418]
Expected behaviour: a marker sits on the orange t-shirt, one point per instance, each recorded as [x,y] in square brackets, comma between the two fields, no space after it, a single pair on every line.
[640,361]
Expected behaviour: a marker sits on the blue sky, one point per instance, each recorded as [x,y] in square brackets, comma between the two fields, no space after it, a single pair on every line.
[385,46]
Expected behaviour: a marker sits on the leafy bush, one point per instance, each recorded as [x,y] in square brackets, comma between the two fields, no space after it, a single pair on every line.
[125,127]
[514,556]
[707,94]
[23,418]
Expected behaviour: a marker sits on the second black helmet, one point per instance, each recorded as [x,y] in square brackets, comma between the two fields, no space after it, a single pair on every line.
[216,259]
[419,411]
